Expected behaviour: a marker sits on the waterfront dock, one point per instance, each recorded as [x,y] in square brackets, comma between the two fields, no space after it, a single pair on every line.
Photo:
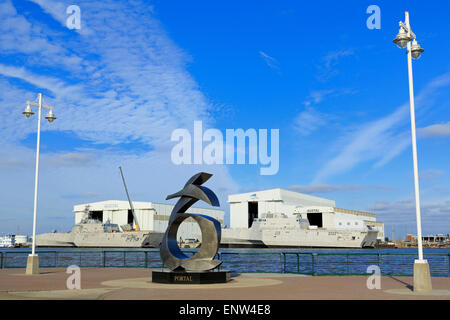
[135,284]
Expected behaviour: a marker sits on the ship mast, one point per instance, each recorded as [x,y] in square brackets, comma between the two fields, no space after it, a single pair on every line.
[131,204]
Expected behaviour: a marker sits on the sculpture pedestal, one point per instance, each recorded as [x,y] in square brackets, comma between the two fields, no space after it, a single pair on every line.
[190,277]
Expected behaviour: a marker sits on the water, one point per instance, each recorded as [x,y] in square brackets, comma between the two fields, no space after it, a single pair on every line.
[305,261]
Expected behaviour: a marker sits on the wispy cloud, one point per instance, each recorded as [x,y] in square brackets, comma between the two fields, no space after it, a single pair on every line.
[440,130]
[270,61]
[327,69]
[318,96]
[133,84]
[74,159]
[380,140]
[309,120]
[401,214]
[405,210]
[54,85]
[20,36]
[124,81]
[332,57]
[56,8]
[431,174]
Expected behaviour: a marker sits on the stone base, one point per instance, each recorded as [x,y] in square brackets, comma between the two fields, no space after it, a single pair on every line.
[190,277]
[422,278]
[32,264]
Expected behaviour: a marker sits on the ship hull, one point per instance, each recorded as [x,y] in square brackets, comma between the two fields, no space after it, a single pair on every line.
[298,238]
[54,240]
[100,240]
[118,240]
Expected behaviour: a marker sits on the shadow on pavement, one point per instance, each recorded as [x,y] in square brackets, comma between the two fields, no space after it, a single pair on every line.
[407,285]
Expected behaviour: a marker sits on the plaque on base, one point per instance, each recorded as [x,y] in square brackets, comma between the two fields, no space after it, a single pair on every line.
[190,277]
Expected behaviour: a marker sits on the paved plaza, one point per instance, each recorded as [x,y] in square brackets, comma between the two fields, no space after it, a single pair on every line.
[135,284]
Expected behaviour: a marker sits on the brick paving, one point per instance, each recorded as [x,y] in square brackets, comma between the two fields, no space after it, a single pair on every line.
[128,283]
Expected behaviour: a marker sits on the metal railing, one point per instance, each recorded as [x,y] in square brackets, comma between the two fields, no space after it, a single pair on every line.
[309,263]
[346,264]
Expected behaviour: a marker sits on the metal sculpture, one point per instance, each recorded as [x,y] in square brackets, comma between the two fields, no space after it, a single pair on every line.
[170,252]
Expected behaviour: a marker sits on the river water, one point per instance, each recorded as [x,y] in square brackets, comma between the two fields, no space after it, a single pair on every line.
[305,261]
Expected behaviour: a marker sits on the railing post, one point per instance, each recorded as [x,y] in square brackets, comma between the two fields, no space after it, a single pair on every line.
[313,264]
[449,264]
[104,258]
[124,258]
[219,257]
[348,267]
[146,259]
[379,264]
[298,263]
[1,260]
[56,259]
[284,262]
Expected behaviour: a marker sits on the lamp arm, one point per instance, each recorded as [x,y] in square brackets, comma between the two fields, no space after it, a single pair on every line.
[405,27]
[37,105]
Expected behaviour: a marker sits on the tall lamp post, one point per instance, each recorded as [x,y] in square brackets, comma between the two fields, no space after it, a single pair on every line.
[422,278]
[33,260]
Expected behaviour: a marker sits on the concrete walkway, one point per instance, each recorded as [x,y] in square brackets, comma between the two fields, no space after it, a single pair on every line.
[119,283]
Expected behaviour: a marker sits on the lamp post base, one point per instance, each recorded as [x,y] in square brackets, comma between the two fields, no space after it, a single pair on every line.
[32,264]
[422,278]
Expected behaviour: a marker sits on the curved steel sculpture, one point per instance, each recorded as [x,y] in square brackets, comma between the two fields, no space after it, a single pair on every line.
[170,252]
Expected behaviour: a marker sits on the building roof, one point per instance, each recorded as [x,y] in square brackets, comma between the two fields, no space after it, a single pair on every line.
[284,195]
[355,212]
[124,205]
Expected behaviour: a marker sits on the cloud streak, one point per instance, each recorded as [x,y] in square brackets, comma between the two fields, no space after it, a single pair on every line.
[328,69]
[380,140]
[270,61]
[128,87]
[440,130]
[121,82]
[309,121]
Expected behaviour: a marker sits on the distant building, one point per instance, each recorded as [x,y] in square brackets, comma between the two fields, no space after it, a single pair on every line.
[320,212]
[20,240]
[429,239]
[410,238]
[7,241]
[151,216]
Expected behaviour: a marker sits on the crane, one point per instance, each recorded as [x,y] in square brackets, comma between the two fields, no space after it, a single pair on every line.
[131,204]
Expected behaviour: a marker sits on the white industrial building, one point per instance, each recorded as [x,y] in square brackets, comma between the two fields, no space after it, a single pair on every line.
[151,216]
[320,212]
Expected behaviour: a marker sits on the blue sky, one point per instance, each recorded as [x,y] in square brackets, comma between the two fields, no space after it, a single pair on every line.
[137,70]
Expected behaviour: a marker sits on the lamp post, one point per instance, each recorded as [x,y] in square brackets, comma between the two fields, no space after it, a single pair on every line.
[422,279]
[33,260]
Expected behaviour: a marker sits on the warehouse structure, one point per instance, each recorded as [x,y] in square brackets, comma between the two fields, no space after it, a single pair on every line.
[151,216]
[320,212]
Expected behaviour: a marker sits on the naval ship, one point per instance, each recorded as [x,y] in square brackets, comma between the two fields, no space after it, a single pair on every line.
[92,233]
[279,230]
